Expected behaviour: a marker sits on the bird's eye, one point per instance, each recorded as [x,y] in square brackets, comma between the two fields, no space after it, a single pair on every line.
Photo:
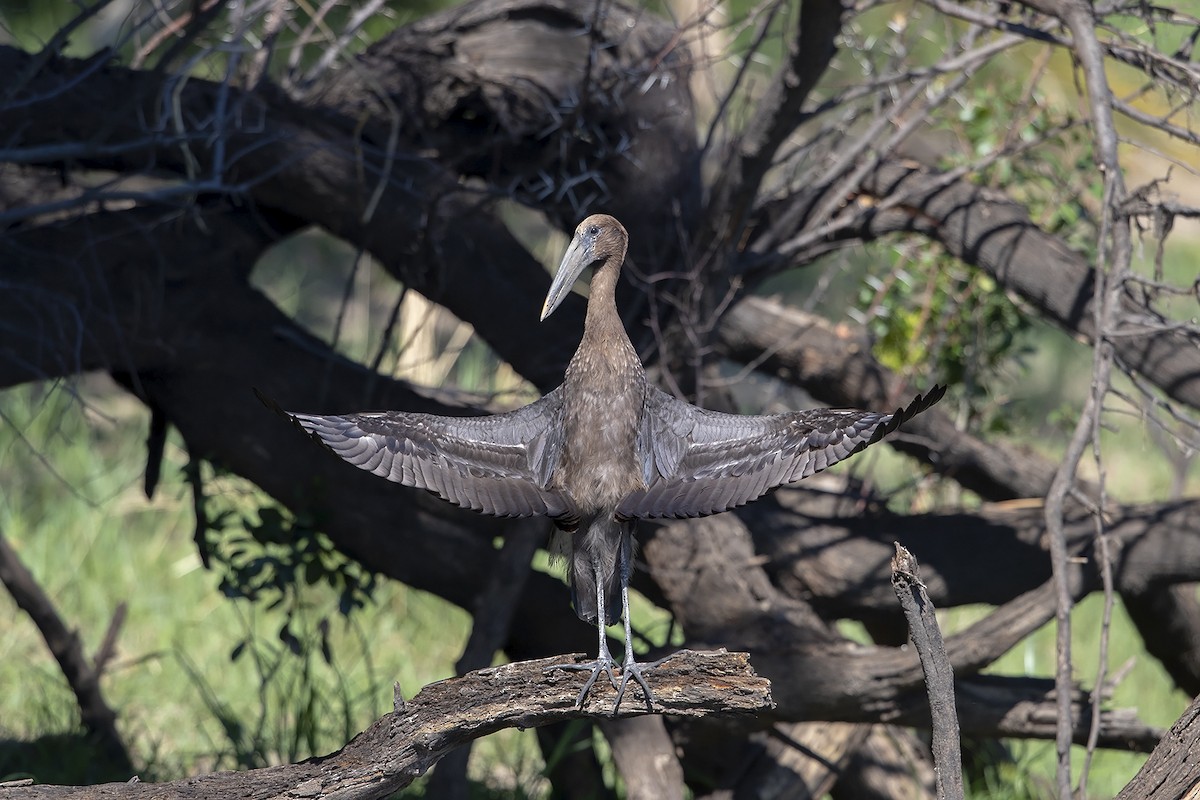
[593,230]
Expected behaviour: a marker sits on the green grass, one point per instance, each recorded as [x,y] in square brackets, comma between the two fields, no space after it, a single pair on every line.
[1146,687]
[74,511]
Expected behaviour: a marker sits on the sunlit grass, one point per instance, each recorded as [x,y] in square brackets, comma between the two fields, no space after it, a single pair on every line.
[1146,687]
[103,543]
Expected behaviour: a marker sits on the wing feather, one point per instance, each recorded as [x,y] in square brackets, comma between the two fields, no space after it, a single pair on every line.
[499,464]
[700,462]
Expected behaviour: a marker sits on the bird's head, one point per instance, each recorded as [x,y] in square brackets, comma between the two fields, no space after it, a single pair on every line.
[598,240]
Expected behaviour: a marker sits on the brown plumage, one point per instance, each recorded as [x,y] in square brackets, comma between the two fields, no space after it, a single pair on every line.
[603,449]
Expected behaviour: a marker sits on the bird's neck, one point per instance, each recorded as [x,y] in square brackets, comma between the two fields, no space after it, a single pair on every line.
[602,318]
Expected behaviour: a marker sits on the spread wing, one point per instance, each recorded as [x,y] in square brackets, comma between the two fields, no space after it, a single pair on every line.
[699,462]
[499,464]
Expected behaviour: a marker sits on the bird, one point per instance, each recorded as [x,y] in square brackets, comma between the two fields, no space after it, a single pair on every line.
[603,450]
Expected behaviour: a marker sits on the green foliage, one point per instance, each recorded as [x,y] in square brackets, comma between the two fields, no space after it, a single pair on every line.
[269,556]
[935,314]
[930,310]
[271,561]
[1039,153]
[301,708]
[991,777]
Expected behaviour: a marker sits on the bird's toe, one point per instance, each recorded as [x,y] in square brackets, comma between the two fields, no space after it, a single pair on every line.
[596,668]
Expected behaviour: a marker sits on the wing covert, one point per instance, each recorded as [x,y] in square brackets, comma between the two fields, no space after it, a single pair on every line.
[699,462]
[499,464]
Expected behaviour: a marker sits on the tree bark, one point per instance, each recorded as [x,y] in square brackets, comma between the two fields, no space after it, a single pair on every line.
[926,637]
[1170,772]
[986,229]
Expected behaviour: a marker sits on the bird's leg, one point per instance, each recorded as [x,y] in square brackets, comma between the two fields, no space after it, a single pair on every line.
[604,661]
[631,668]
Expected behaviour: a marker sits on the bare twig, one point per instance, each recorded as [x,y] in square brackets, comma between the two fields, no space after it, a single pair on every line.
[1113,260]
[810,49]
[939,675]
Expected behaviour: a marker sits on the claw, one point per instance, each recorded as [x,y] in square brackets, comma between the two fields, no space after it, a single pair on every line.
[633,669]
[630,669]
[596,667]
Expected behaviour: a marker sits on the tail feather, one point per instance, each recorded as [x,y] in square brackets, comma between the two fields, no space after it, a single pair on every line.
[595,553]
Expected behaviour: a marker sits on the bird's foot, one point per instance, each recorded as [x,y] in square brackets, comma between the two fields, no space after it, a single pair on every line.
[606,666]
[633,669]
[600,665]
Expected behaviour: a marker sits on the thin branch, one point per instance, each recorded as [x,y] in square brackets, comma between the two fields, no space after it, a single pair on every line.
[1113,260]
[810,50]
[939,674]
[82,676]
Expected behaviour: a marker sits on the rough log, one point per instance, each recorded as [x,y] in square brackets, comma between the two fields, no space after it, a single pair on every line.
[402,745]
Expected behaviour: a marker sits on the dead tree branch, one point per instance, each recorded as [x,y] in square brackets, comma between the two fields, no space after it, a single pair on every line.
[645,757]
[402,745]
[988,230]
[835,365]
[810,48]
[939,675]
[82,675]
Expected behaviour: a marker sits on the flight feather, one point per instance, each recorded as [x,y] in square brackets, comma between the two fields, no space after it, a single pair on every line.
[697,462]
[499,464]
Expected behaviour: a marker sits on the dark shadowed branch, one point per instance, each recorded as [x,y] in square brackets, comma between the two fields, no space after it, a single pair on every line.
[82,675]
[1168,619]
[989,230]
[645,757]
